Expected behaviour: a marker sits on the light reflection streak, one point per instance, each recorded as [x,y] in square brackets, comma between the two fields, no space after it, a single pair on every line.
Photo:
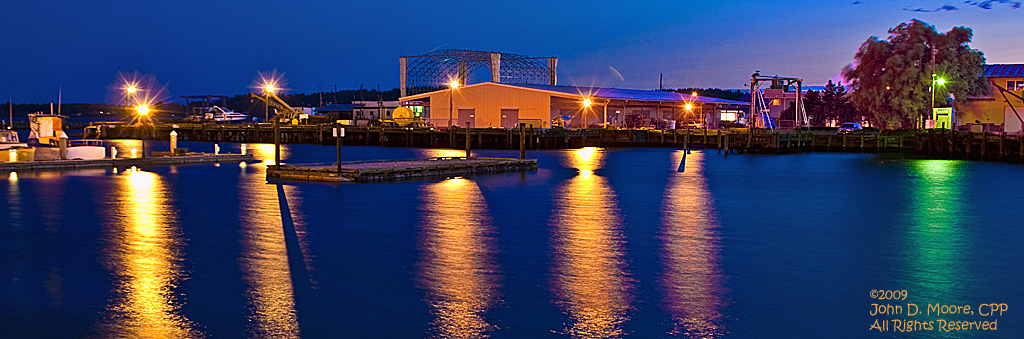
[591,282]
[146,263]
[264,261]
[265,152]
[691,250]
[441,152]
[458,269]
[935,236]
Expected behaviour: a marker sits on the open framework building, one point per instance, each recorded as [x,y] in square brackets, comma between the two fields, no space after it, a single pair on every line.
[435,70]
[504,105]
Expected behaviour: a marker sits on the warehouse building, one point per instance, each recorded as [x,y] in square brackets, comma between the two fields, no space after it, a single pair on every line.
[502,105]
[992,112]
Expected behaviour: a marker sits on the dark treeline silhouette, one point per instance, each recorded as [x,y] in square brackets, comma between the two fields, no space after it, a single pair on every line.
[728,94]
[86,110]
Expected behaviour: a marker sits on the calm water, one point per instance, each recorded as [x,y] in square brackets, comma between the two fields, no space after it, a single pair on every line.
[597,243]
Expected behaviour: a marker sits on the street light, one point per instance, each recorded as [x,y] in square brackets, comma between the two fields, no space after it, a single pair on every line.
[586,109]
[267,90]
[131,89]
[143,114]
[451,93]
[935,81]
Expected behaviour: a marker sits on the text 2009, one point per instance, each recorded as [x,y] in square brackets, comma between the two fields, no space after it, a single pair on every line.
[889,294]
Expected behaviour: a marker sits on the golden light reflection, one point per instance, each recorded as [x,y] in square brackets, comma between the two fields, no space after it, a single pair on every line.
[591,282]
[265,153]
[264,262]
[585,159]
[441,152]
[458,269]
[146,263]
[691,252]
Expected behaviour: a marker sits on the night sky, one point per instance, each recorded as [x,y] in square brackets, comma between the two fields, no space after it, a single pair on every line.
[217,47]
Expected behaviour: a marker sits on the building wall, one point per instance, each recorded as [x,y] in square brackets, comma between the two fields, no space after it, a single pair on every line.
[992,110]
[487,103]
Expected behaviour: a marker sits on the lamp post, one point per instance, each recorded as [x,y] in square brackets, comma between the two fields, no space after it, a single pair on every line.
[143,115]
[935,81]
[451,93]
[267,90]
[586,109]
[127,95]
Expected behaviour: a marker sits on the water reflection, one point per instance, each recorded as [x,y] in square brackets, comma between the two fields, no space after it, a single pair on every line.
[146,262]
[265,152]
[935,239]
[691,252]
[264,260]
[458,269]
[441,152]
[591,283]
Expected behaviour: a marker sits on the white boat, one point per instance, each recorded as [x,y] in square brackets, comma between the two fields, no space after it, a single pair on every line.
[221,114]
[9,139]
[46,132]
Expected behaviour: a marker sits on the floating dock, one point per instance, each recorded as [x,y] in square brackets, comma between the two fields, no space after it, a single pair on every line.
[123,162]
[388,170]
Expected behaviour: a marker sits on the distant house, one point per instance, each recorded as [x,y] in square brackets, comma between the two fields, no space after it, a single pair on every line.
[992,112]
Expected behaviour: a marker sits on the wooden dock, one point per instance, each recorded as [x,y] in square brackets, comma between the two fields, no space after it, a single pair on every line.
[386,170]
[58,165]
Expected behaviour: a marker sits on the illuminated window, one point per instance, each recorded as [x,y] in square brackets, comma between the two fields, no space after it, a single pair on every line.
[1015,85]
[728,116]
[776,102]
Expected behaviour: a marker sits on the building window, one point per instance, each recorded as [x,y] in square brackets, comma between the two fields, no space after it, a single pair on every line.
[728,116]
[776,102]
[1015,85]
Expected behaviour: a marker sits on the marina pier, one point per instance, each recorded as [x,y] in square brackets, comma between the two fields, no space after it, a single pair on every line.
[987,146]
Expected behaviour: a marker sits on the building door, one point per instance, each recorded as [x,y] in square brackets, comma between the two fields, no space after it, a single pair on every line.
[1010,122]
[509,118]
[467,117]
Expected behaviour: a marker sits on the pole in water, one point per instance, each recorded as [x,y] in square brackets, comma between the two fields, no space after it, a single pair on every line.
[682,163]
[468,128]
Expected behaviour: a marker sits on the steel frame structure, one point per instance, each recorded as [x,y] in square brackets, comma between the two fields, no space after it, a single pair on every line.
[435,70]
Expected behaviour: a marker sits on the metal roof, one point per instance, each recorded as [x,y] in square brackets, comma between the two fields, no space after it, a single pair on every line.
[1004,71]
[598,92]
[628,94]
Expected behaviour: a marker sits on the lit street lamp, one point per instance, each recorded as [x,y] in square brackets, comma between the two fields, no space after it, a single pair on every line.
[128,91]
[267,90]
[143,111]
[586,109]
[451,93]
[939,81]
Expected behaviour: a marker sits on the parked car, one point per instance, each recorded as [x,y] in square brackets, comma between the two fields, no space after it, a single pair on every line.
[849,127]
[694,125]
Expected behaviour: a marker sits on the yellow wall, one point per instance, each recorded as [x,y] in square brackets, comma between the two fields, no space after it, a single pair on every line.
[488,100]
[990,110]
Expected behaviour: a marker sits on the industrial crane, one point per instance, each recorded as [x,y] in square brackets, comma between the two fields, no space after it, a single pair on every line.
[284,111]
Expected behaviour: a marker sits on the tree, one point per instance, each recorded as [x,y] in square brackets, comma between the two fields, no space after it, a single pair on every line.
[891,79]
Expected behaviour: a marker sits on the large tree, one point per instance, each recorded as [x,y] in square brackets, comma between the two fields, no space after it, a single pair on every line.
[891,79]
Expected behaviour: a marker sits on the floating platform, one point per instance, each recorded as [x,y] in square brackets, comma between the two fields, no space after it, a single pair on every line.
[391,170]
[123,162]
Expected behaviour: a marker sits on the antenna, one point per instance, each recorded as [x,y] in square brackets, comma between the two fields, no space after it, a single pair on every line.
[661,79]
[60,94]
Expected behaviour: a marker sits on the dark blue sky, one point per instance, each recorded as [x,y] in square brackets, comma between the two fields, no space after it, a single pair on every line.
[217,47]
